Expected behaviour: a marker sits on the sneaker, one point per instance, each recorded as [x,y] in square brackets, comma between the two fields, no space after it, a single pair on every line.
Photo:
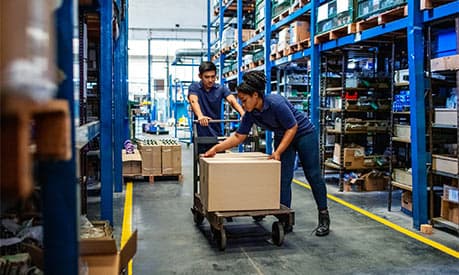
[324,224]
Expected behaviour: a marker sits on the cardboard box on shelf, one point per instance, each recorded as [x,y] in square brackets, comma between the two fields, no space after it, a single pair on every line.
[402,131]
[246,34]
[171,159]
[407,201]
[101,256]
[402,176]
[151,160]
[132,163]
[450,211]
[445,164]
[353,156]
[237,184]
[445,116]
[299,31]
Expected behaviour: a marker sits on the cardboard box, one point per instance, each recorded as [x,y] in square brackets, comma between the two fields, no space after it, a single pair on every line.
[445,164]
[445,63]
[402,131]
[237,184]
[299,31]
[132,163]
[102,256]
[446,117]
[374,181]
[407,201]
[246,34]
[450,211]
[251,155]
[402,176]
[353,156]
[151,159]
[171,159]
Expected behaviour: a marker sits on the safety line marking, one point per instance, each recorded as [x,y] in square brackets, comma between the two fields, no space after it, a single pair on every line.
[392,225]
[127,220]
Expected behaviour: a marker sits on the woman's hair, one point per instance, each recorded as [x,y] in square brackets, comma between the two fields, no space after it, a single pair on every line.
[253,82]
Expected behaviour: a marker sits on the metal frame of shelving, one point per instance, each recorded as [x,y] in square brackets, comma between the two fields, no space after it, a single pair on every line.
[413,23]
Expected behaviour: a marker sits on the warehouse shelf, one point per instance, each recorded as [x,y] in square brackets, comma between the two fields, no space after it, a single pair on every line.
[85,133]
[403,186]
[292,17]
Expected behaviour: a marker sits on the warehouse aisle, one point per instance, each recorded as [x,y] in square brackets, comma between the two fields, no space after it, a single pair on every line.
[170,243]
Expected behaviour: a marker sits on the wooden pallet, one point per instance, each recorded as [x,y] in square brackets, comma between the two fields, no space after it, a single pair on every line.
[259,30]
[335,33]
[430,4]
[281,16]
[28,127]
[382,18]
[301,45]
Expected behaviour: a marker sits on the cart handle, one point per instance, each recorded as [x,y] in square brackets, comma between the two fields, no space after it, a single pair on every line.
[219,120]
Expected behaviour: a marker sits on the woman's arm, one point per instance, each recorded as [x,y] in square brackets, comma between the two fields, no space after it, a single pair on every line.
[230,142]
[285,142]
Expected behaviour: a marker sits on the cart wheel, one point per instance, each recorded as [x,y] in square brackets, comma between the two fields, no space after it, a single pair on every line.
[278,233]
[220,238]
[258,218]
[198,217]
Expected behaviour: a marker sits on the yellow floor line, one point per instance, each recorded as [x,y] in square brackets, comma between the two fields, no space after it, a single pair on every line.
[398,228]
[127,220]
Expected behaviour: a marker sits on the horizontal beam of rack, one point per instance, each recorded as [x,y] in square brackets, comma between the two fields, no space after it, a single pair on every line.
[86,133]
[443,11]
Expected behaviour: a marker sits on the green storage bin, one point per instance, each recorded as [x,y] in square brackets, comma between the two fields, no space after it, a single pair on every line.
[279,6]
[367,8]
[332,15]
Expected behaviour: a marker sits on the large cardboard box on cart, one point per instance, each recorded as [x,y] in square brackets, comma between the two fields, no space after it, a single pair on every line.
[239,183]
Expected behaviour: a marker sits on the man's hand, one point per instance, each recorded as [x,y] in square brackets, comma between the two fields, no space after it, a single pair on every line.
[275,156]
[204,120]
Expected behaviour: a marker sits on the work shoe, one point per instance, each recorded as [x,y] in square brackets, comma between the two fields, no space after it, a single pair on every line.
[324,224]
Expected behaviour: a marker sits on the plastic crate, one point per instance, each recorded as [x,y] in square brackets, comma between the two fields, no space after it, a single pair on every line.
[444,43]
[332,15]
[277,7]
[367,8]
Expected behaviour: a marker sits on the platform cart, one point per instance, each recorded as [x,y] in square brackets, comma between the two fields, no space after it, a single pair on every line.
[216,219]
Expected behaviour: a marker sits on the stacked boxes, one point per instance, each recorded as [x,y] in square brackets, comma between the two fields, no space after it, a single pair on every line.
[299,31]
[239,182]
[171,157]
[160,157]
[151,158]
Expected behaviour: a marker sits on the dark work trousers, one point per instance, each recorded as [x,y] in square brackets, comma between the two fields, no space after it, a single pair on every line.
[307,147]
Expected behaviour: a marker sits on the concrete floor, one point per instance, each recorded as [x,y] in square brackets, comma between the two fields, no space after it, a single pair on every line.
[170,243]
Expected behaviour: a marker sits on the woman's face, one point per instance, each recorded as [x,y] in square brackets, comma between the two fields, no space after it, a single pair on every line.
[249,102]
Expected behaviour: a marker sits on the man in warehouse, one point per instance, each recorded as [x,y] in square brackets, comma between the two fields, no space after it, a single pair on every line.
[206,102]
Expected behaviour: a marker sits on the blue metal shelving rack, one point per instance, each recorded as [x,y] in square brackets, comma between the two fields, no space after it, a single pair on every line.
[413,23]
[58,179]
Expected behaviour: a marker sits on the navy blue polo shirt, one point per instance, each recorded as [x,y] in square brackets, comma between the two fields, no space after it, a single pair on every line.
[211,106]
[277,115]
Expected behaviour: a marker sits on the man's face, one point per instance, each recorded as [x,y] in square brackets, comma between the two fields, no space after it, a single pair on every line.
[208,79]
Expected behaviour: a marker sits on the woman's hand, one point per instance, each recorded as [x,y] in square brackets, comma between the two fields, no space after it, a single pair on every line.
[275,156]
[210,153]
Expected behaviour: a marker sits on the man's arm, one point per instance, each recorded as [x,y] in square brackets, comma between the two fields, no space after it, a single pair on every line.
[203,120]
[232,100]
